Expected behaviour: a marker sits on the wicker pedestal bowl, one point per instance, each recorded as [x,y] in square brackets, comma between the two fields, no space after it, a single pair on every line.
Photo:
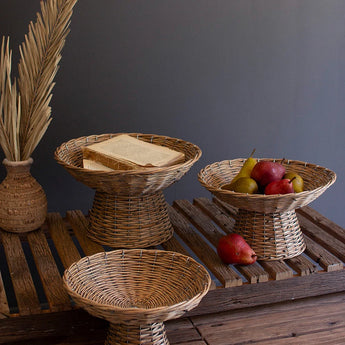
[136,290]
[268,222]
[129,209]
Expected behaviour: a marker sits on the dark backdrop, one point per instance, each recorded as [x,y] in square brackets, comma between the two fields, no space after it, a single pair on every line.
[226,75]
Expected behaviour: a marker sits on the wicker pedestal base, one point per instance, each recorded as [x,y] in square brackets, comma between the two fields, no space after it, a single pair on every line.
[129,221]
[153,334]
[273,236]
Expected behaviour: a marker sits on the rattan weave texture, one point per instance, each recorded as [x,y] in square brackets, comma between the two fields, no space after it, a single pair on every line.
[316,180]
[129,209]
[137,290]
[268,222]
[127,182]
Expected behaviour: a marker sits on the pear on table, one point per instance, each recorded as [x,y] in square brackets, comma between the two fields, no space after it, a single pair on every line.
[233,249]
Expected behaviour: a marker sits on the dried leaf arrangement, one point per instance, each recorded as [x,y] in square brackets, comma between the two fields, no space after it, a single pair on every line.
[25,113]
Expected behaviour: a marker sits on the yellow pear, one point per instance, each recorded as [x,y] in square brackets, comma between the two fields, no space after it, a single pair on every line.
[297,181]
[246,169]
[243,185]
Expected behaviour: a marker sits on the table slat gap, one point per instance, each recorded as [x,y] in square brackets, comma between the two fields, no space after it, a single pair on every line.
[4,308]
[79,225]
[23,285]
[56,295]
[63,242]
[225,274]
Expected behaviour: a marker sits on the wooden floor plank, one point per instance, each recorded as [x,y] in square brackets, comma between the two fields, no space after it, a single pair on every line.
[253,273]
[323,257]
[4,309]
[24,288]
[277,323]
[334,337]
[271,327]
[181,330]
[64,245]
[79,225]
[57,296]
[199,342]
[227,276]
[274,291]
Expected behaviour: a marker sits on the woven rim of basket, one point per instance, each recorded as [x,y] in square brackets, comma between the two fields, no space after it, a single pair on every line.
[145,171]
[183,305]
[214,167]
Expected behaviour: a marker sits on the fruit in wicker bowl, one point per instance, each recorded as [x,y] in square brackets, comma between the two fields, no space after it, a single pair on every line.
[268,222]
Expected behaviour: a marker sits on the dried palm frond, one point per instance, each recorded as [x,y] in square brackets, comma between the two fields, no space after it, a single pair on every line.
[26,113]
[9,106]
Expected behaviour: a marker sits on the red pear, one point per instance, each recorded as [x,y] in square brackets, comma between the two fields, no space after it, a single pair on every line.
[233,249]
[265,172]
[283,186]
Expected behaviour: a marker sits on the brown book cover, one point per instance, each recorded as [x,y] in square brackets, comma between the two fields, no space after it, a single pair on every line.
[124,152]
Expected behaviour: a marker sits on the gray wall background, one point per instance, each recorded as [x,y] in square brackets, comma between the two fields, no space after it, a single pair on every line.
[226,75]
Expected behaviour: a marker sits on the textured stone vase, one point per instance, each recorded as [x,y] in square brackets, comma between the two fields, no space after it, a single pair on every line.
[23,203]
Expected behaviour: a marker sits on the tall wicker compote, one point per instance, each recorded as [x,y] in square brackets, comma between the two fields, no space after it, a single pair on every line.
[268,222]
[129,209]
[136,291]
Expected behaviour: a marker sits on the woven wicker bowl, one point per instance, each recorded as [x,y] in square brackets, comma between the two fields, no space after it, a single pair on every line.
[136,291]
[129,209]
[268,222]
[125,182]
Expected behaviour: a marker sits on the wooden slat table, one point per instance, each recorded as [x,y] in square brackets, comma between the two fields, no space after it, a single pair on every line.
[254,302]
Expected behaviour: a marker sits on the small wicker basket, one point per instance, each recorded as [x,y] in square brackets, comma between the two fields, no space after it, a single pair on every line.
[268,222]
[136,291]
[129,209]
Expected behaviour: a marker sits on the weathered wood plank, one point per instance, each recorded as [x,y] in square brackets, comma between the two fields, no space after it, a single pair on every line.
[64,245]
[174,245]
[222,219]
[226,275]
[57,296]
[33,329]
[198,342]
[302,265]
[331,337]
[181,330]
[323,238]
[273,326]
[320,255]
[324,223]
[278,270]
[261,311]
[24,288]
[274,291]
[4,309]
[253,273]
[79,225]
